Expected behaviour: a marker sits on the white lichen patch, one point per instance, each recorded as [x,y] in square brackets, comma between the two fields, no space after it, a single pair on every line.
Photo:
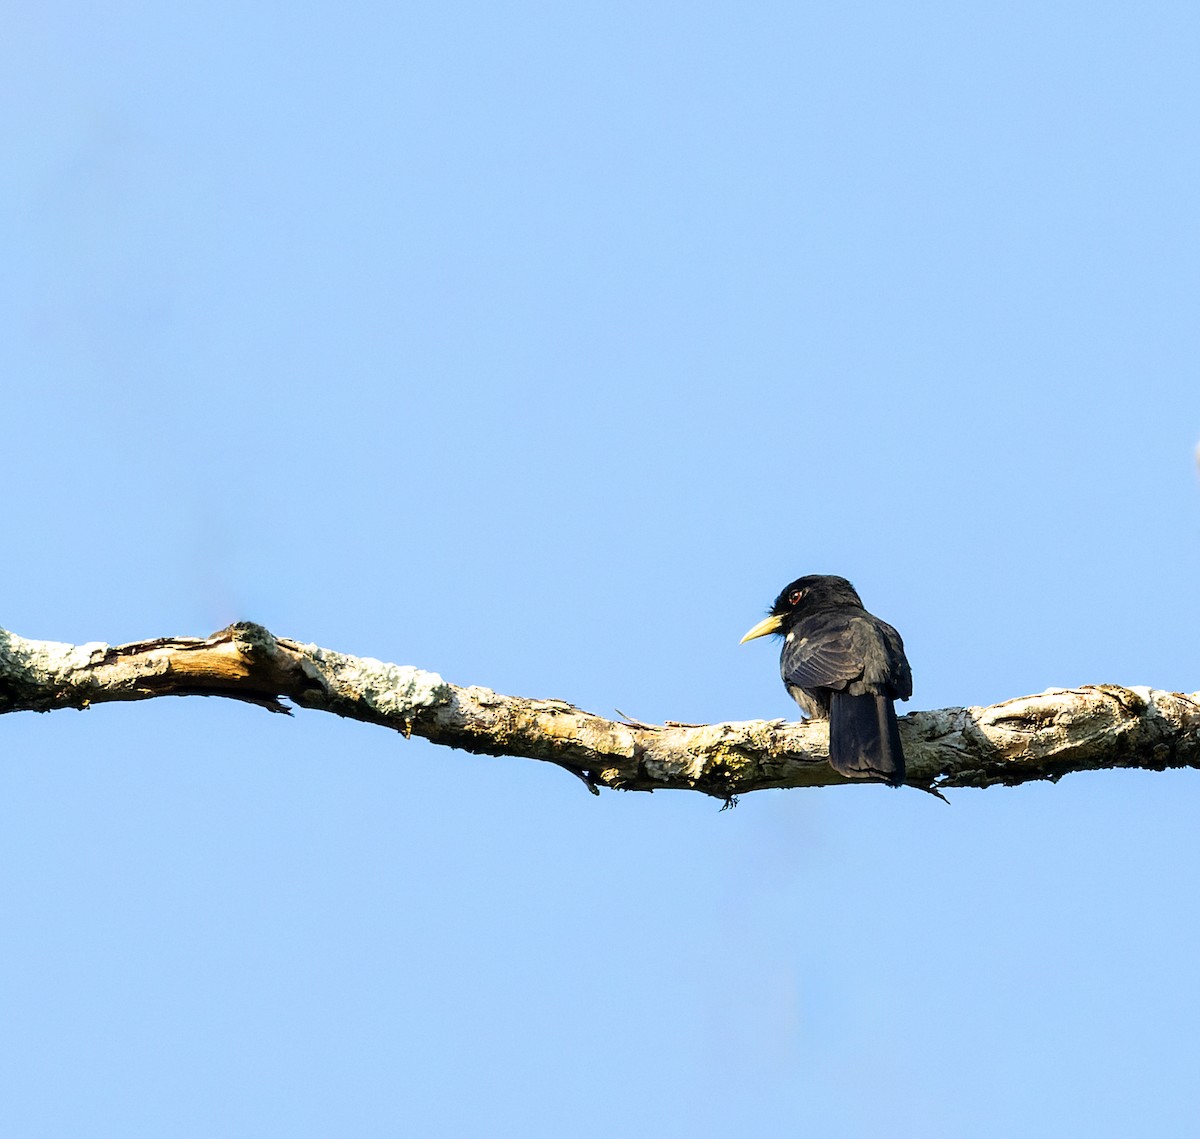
[670,763]
[400,689]
[51,658]
[388,689]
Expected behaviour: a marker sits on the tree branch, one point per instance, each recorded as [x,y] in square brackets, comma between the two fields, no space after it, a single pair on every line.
[1032,737]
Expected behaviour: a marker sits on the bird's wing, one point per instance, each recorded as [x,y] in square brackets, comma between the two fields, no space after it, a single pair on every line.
[880,650]
[821,653]
[901,671]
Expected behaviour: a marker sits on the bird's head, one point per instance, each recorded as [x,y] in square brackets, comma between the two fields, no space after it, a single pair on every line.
[800,597]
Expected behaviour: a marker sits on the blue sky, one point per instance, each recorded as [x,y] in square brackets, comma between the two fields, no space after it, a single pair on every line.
[540,345]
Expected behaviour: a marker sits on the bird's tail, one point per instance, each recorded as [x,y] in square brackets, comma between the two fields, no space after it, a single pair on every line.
[864,738]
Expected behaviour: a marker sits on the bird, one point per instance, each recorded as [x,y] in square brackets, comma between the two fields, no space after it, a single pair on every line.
[841,663]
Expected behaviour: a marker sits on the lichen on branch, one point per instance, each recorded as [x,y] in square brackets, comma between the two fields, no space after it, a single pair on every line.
[1031,737]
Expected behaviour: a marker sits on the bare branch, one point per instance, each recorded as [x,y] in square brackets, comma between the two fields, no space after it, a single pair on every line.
[1032,737]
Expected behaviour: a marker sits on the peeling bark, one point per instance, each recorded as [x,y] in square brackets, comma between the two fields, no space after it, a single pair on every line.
[1031,737]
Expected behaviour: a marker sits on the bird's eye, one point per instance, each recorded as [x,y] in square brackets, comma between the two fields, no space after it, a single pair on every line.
[795,596]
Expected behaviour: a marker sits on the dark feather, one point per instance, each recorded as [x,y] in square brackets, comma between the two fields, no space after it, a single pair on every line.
[864,738]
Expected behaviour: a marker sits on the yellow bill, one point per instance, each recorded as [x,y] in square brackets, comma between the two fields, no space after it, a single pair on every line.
[766,626]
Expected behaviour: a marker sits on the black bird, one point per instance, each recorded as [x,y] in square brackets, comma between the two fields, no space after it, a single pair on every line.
[841,663]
